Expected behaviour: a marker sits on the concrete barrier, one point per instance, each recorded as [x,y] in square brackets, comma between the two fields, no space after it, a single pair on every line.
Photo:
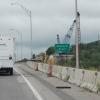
[40,67]
[46,66]
[98,81]
[33,65]
[79,76]
[57,71]
[90,80]
[43,67]
[72,75]
[83,78]
[65,74]
[29,63]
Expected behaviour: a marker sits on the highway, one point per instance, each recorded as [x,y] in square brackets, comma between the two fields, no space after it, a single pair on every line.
[45,90]
[14,88]
[27,84]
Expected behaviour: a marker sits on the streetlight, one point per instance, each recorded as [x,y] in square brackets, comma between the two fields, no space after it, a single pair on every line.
[76,36]
[29,13]
[21,38]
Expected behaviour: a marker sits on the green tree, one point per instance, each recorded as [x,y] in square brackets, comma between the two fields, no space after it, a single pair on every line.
[50,50]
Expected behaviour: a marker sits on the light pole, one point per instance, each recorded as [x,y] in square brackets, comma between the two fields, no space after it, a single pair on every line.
[20,38]
[76,36]
[29,13]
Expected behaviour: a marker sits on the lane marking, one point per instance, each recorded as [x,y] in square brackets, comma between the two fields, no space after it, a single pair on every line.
[35,92]
[21,80]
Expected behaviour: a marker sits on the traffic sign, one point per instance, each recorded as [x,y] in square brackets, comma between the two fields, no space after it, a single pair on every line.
[62,48]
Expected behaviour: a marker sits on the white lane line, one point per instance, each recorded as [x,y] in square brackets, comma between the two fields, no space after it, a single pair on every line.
[35,92]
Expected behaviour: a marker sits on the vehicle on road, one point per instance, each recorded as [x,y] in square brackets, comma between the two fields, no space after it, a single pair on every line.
[7,54]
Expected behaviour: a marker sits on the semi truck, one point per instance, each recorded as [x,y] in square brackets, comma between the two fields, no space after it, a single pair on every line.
[7,54]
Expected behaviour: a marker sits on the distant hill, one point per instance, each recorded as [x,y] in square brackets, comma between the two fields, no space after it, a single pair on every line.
[89,55]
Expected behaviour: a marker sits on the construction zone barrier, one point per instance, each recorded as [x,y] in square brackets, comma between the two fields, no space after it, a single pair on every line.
[49,71]
[33,65]
[40,67]
[43,67]
[57,71]
[90,81]
[98,82]
[84,78]
[36,66]
[65,74]
[79,76]
[51,62]
[72,75]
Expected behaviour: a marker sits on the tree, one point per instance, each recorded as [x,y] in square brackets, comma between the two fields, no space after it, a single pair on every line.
[50,50]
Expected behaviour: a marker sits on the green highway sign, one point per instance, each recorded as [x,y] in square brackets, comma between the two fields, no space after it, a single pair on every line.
[62,48]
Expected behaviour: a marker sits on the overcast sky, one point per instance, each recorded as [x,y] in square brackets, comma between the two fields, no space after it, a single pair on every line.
[49,18]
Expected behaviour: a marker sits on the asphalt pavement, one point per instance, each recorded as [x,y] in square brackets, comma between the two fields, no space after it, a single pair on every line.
[44,88]
[47,86]
[27,84]
[14,88]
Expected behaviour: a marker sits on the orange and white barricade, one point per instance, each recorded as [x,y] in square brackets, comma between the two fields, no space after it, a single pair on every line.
[51,62]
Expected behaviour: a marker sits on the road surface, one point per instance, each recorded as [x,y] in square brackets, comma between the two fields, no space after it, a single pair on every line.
[27,84]
[51,83]
[14,88]
[45,90]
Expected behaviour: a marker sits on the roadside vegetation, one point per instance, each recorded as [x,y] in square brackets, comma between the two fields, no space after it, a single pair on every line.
[89,56]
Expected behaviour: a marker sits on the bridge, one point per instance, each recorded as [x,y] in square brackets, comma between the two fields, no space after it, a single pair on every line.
[39,78]
[31,82]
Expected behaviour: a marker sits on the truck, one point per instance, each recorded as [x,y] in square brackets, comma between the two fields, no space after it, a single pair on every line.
[7,54]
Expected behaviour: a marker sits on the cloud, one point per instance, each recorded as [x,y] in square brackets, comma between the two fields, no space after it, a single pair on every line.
[49,18]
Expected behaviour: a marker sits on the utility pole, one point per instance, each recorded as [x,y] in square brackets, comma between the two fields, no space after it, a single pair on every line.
[98,38]
[77,34]
[31,31]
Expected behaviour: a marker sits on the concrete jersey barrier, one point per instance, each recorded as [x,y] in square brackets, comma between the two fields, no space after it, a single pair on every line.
[83,78]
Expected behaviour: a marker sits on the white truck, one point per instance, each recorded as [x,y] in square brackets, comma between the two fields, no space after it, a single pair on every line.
[7,54]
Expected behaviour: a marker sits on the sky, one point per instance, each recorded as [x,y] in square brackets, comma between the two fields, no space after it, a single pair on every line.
[49,18]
